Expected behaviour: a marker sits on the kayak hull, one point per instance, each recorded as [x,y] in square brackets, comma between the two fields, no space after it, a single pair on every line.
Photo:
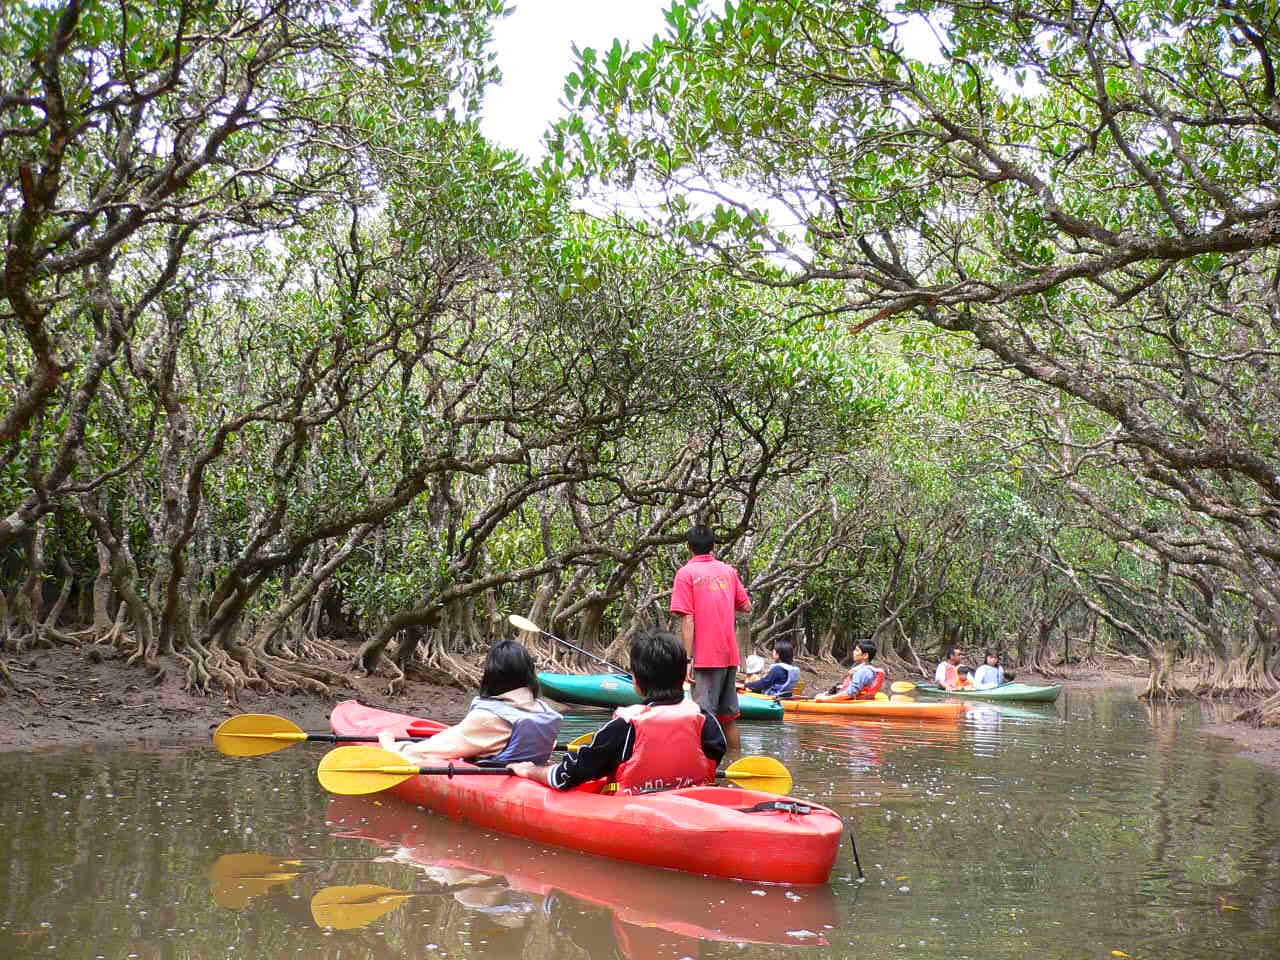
[699,829]
[617,690]
[880,709]
[705,908]
[1006,691]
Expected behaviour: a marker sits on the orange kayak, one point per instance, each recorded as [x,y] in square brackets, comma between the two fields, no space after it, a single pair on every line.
[903,709]
[711,830]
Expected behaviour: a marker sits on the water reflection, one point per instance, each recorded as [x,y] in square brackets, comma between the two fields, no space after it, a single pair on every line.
[1093,825]
[641,899]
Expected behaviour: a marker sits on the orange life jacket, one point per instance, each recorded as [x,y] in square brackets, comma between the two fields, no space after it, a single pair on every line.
[870,691]
[667,753]
[952,677]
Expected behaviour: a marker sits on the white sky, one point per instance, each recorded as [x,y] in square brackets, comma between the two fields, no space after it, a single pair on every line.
[534,54]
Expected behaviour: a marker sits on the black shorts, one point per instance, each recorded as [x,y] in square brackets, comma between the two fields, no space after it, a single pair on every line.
[715,690]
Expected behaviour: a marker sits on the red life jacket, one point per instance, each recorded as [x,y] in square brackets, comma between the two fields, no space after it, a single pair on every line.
[869,692]
[667,753]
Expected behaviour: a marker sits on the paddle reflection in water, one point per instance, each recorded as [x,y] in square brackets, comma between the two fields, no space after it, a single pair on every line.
[636,898]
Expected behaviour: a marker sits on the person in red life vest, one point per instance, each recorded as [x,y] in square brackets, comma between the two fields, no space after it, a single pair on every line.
[706,594]
[964,677]
[947,675]
[665,743]
[863,681]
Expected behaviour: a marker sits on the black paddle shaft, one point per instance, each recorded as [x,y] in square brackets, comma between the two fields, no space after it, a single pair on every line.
[587,653]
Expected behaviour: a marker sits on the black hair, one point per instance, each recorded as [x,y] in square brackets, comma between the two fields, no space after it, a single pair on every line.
[508,667]
[989,654]
[700,538]
[963,669]
[659,663]
[784,650]
[868,647]
[954,648]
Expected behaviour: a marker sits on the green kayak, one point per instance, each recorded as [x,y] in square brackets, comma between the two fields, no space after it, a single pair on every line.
[617,690]
[1006,691]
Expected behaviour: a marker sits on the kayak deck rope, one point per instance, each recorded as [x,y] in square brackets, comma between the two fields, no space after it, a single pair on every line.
[786,806]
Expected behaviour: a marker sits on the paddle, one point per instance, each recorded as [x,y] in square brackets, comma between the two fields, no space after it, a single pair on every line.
[255,734]
[358,905]
[236,878]
[357,770]
[527,625]
[902,686]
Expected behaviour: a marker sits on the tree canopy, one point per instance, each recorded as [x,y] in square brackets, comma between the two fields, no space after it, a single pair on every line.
[956,320]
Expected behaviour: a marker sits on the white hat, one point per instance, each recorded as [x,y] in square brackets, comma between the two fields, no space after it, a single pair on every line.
[754,664]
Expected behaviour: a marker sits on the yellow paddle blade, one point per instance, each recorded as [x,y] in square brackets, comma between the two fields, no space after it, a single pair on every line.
[760,773]
[881,695]
[359,769]
[902,698]
[578,742]
[253,734]
[902,686]
[346,908]
[236,878]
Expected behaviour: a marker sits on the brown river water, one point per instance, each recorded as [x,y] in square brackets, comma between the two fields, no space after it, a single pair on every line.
[1093,827]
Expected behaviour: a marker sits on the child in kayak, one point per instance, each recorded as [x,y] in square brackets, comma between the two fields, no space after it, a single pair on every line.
[507,722]
[754,668]
[782,676]
[863,681]
[665,743]
[990,674]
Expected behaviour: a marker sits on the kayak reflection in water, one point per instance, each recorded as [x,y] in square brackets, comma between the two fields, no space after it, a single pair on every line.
[665,743]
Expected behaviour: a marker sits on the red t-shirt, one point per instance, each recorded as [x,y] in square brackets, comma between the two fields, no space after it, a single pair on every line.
[711,591]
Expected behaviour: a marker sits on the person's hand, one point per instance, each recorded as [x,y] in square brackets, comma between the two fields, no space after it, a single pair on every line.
[386,741]
[524,769]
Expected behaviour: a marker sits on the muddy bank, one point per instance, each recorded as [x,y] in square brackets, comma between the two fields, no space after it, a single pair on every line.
[68,701]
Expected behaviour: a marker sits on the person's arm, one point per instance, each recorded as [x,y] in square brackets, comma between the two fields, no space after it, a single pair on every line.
[610,746]
[776,675]
[480,733]
[841,692]
[686,635]
[537,772]
[714,744]
[741,600]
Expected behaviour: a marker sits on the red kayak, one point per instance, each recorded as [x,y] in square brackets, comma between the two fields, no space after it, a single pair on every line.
[709,830]
[705,908]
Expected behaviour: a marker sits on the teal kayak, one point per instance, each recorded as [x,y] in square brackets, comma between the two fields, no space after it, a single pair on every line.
[1006,691]
[617,690]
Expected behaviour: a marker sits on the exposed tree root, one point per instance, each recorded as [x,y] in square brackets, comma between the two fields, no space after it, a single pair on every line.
[1263,714]
[11,683]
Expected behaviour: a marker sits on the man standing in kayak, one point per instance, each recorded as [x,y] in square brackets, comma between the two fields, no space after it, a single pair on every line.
[665,743]
[706,594]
